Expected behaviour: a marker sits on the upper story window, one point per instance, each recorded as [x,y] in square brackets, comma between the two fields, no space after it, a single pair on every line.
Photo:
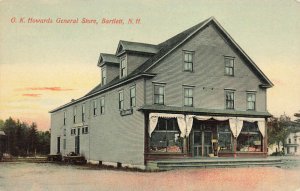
[65,117]
[132,96]
[251,99]
[103,74]
[159,94]
[95,107]
[121,100]
[83,112]
[188,61]
[188,96]
[74,114]
[102,105]
[229,66]
[123,67]
[229,96]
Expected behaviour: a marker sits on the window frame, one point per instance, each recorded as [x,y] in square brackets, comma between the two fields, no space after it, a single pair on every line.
[233,100]
[123,68]
[83,112]
[132,102]
[102,107]
[95,108]
[103,76]
[65,118]
[254,102]
[231,68]
[184,96]
[74,114]
[191,53]
[163,95]
[121,101]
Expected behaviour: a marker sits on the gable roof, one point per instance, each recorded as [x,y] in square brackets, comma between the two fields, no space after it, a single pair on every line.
[162,50]
[108,58]
[136,47]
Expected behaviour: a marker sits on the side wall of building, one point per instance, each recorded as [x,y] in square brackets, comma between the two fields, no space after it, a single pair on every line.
[111,137]
[208,76]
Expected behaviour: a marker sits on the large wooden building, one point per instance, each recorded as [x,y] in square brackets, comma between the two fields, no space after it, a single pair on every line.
[197,94]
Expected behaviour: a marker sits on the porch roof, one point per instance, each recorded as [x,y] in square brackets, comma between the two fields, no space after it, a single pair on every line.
[204,111]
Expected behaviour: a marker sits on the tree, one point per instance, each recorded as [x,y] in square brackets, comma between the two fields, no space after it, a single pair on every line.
[278,130]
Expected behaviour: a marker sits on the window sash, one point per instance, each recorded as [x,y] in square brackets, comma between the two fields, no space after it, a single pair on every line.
[229,100]
[251,99]
[121,100]
[123,67]
[188,61]
[229,66]
[133,96]
[188,97]
[159,96]
[102,105]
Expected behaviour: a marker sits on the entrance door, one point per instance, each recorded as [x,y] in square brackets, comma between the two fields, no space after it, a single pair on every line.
[202,145]
[58,144]
[77,142]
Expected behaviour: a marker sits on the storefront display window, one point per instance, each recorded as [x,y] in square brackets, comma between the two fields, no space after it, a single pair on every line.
[224,137]
[250,138]
[166,137]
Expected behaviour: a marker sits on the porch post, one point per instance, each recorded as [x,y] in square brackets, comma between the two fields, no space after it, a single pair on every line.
[184,145]
[234,146]
[265,141]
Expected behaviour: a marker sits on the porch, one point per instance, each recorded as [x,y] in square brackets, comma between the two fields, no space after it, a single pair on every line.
[169,164]
[174,136]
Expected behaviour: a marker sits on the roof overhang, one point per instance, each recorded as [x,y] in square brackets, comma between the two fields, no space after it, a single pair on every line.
[125,81]
[203,111]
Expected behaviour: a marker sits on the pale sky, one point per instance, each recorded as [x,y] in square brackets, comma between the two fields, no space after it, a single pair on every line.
[43,66]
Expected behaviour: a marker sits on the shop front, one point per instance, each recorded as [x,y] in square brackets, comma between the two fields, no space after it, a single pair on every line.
[197,136]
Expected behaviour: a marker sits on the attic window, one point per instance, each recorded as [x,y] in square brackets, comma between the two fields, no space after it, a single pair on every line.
[187,61]
[103,74]
[123,67]
[229,66]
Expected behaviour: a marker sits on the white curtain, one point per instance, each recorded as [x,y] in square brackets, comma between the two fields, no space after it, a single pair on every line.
[189,124]
[262,127]
[152,123]
[153,119]
[181,125]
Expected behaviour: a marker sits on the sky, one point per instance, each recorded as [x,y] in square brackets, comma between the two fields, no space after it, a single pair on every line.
[45,65]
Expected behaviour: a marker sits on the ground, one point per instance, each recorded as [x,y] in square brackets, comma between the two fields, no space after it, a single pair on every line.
[46,176]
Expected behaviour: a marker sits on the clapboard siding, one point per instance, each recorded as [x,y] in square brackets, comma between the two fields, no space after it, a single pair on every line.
[134,61]
[208,75]
[111,137]
[111,72]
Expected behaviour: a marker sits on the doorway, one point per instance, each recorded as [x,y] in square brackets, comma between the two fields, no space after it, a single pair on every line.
[202,145]
[77,142]
[58,145]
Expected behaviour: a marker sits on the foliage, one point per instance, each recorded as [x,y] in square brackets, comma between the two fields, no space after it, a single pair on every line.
[25,140]
[280,128]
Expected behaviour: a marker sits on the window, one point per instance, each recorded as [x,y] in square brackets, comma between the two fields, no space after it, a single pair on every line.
[103,74]
[224,137]
[159,94]
[290,141]
[73,131]
[65,132]
[65,144]
[123,67]
[102,105]
[65,117]
[250,139]
[166,137]
[74,114]
[121,100]
[85,130]
[83,112]
[229,99]
[95,107]
[229,66]
[132,96]
[188,61]
[188,96]
[251,98]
